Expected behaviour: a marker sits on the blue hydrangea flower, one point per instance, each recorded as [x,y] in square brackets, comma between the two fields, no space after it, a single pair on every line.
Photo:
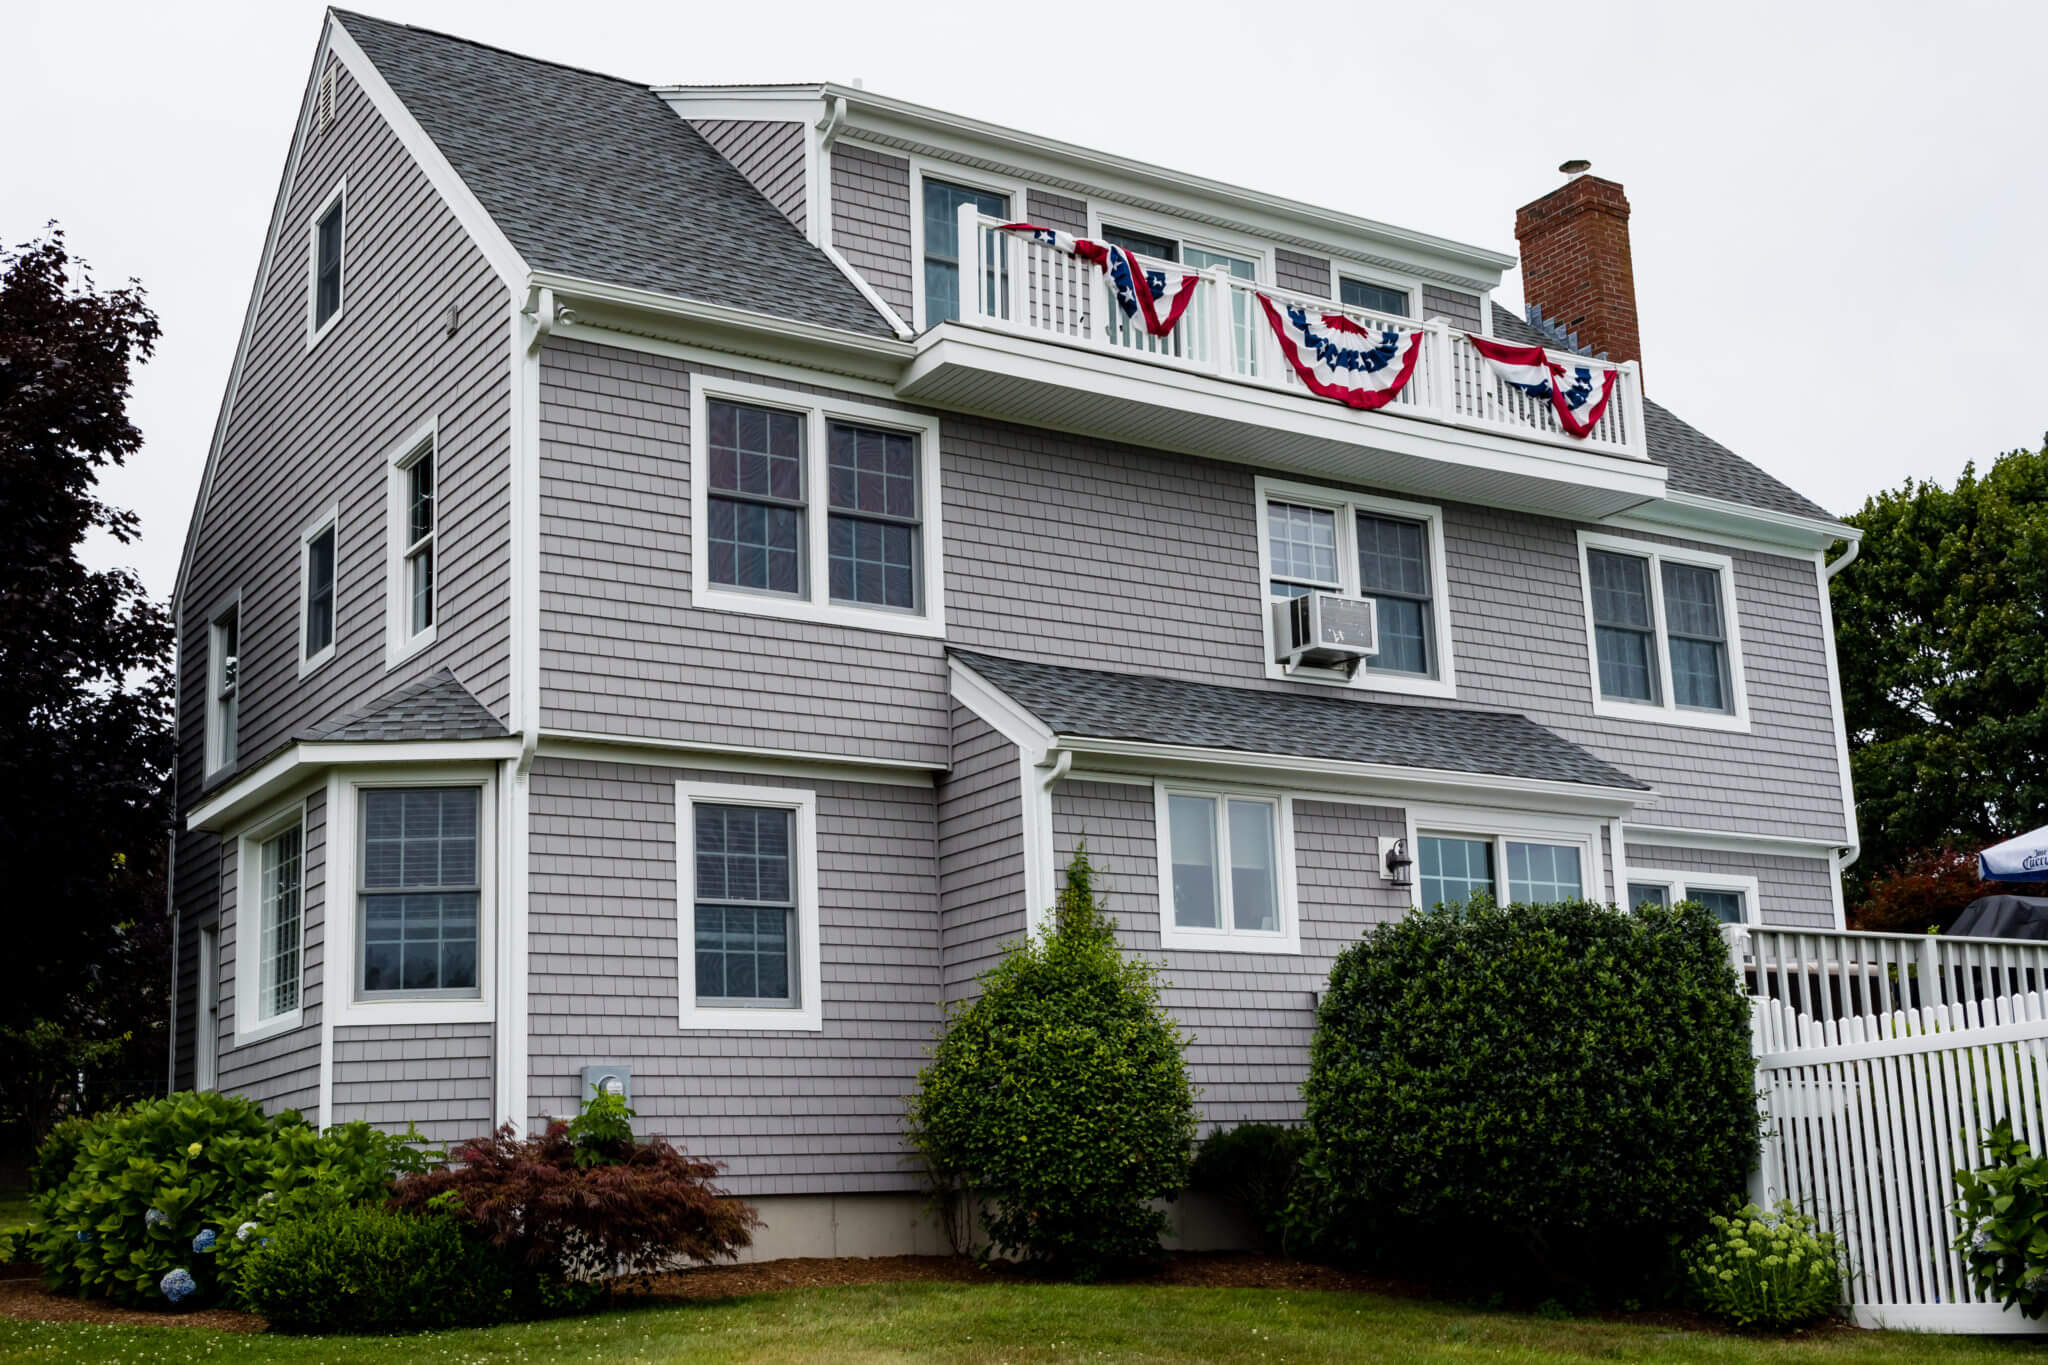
[245,1232]
[155,1218]
[84,1236]
[178,1286]
[203,1243]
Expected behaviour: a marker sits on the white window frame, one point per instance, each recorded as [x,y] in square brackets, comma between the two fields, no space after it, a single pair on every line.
[206,1026]
[807,1015]
[1502,827]
[1103,218]
[816,603]
[401,642]
[1347,505]
[315,331]
[1227,938]
[251,1026]
[1664,710]
[1016,191]
[1680,886]
[341,912]
[329,520]
[221,747]
[1379,279]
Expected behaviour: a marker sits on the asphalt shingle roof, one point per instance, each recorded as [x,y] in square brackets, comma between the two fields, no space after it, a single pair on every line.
[436,706]
[1131,706]
[597,177]
[1697,462]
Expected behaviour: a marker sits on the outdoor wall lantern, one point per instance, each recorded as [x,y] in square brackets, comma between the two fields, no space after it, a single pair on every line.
[1396,866]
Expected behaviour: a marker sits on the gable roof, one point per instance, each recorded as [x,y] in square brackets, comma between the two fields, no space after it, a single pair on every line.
[1086,703]
[1697,462]
[597,177]
[434,707]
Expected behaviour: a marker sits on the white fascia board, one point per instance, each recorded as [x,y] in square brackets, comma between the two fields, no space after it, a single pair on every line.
[735,329]
[678,753]
[769,103]
[1002,712]
[1731,522]
[1302,774]
[293,765]
[1722,841]
[1096,174]
[1207,395]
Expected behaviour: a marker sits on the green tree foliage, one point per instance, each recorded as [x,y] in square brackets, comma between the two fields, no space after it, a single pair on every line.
[1512,1095]
[1941,627]
[1056,1103]
[85,694]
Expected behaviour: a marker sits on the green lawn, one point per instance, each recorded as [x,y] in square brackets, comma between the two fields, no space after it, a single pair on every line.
[1009,1322]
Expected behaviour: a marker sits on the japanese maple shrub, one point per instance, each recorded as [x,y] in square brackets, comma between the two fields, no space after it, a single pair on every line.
[1547,1098]
[1056,1105]
[584,1201]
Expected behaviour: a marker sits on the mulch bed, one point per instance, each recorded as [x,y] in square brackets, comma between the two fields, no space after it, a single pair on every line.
[26,1299]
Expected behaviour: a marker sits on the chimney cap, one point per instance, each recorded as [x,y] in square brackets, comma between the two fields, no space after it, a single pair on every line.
[1578,165]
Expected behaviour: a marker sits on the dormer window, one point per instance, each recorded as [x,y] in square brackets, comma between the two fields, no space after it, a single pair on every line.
[1373,298]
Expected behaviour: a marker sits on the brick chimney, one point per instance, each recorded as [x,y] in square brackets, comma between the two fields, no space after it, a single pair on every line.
[1576,267]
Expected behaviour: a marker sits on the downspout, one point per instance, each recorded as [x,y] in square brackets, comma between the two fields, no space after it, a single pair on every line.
[1848,558]
[1846,857]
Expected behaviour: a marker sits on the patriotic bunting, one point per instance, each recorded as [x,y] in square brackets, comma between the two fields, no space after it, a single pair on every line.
[1572,391]
[1141,293]
[1339,359]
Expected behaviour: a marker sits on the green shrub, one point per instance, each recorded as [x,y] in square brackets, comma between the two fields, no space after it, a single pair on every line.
[144,1204]
[1773,1270]
[367,1269]
[1056,1103]
[1536,1097]
[2004,1213]
[1253,1166]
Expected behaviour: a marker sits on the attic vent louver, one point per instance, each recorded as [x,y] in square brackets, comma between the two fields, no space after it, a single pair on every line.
[326,97]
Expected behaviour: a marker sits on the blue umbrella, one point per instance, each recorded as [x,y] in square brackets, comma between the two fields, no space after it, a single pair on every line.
[2020,859]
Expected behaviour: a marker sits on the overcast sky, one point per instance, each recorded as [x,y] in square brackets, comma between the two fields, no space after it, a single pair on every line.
[1838,207]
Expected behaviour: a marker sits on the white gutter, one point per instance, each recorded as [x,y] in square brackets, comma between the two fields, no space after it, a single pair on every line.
[1848,558]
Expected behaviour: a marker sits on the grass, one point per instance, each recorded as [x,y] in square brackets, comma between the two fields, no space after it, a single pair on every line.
[1022,1323]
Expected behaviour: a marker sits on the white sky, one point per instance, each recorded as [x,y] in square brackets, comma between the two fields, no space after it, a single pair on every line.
[1838,207]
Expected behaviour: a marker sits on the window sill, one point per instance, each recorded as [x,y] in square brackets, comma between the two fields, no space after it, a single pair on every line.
[398,651]
[315,662]
[822,613]
[1397,684]
[768,1019]
[316,334]
[1177,939]
[269,1028]
[471,1010]
[1737,723]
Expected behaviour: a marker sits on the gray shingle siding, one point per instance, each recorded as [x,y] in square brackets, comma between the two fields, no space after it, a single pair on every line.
[282,1071]
[1459,308]
[769,153]
[1049,208]
[792,1112]
[1301,272]
[622,649]
[981,852]
[1796,892]
[314,428]
[871,220]
[1250,1014]
[435,1075]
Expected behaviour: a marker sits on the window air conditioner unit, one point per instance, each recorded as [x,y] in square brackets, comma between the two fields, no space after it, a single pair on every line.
[1323,630]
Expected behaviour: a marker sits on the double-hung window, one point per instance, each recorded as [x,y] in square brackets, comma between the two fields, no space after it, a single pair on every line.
[316,594]
[1661,632]
[223,687]
[1324,540]
[419,892]
[749,914]
[412,580]
[1385,300]
[1517,868]
[814,509]
[1226,871]
[325,245]
[269,919]
[1730,899]
[942,284]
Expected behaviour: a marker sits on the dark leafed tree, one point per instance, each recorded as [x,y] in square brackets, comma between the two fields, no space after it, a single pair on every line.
[85,702]
[1942,632]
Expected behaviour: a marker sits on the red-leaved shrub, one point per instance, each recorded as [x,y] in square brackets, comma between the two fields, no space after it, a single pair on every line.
[1926,892]
[580,1205]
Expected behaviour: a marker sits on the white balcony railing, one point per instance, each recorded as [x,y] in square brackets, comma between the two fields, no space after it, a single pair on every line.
[1028,287]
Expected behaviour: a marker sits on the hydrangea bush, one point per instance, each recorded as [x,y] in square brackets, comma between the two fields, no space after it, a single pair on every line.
[2004,1212]
[1773,1270]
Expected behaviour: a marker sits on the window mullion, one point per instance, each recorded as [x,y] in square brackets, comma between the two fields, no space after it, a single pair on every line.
[1226,913]
[1347,551]
[817,509]
[1662,641]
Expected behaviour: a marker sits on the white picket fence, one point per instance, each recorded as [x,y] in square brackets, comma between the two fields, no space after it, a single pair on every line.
[1884,1059]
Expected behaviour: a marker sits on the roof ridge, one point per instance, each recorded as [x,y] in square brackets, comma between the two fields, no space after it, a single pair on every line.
[345,15]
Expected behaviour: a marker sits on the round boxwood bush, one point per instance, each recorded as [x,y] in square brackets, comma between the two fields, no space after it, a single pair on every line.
[1546,1095]
[1056,1104]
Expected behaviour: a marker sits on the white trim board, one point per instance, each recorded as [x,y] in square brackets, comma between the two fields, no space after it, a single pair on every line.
[807,1013]
[295,763]
[591,746]
[1664,710]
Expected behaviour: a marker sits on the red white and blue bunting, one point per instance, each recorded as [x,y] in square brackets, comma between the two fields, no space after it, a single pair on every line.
[1579,393]
[1340,359]
[1157,297]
